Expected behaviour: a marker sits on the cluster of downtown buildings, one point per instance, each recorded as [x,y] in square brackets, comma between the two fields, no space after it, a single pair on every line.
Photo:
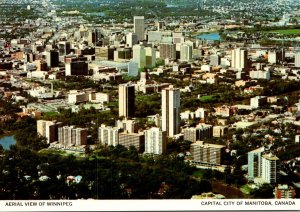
[107,53]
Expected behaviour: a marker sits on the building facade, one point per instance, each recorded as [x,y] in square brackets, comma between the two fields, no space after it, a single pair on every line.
[155,141]
[126,100]
[139,27]
[239,58]
[210,154]
[71,136]
[270,168]
[48,129]
[108,135]
[167,50]
[171,111]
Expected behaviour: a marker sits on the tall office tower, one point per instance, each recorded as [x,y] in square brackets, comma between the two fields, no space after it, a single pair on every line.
[150,57]
[270,168]
[64,48]
[297,59]
[171,111]
[239,58]
[131,39]
[254,163]
[48,129]
[93,37]
[139,27]
[108,135]
[155,141]
[76,68]
[139,55]
[167,50]
[186,52]
[52,58]
[215,60]
[126,100]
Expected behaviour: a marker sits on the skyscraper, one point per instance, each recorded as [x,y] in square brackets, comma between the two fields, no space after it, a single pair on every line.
[139,55]
[139,27]
[126,100]
[171,111]
[239,58]
[52,57]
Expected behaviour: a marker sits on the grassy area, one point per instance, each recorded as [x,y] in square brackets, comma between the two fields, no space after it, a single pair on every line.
[286,31]
[208,98]
[198,174]
[50,114]
[246,189]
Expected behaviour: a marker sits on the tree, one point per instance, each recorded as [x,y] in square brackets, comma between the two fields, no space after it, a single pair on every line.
[265,191]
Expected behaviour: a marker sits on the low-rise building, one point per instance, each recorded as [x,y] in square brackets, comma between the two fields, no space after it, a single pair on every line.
[284,192]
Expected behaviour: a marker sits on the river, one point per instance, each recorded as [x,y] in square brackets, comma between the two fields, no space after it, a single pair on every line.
[7,141]
[210,36]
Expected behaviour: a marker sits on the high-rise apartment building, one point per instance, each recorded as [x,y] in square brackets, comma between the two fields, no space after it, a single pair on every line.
[132,139]
[171,111]
[139,27]
[198,133]
[126,100]
[203,153]
[155,141]
[254,163]
[69,136]
[167,50]
[48,129]
[108,135]
[270,168]
[239,58]
[297,59]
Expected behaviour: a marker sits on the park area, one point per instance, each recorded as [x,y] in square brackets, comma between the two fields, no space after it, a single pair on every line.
[286,31]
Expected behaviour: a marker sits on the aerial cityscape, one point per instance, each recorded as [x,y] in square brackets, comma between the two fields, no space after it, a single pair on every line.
[149,99]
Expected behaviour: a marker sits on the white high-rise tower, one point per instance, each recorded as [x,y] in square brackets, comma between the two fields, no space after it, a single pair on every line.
[171,111]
